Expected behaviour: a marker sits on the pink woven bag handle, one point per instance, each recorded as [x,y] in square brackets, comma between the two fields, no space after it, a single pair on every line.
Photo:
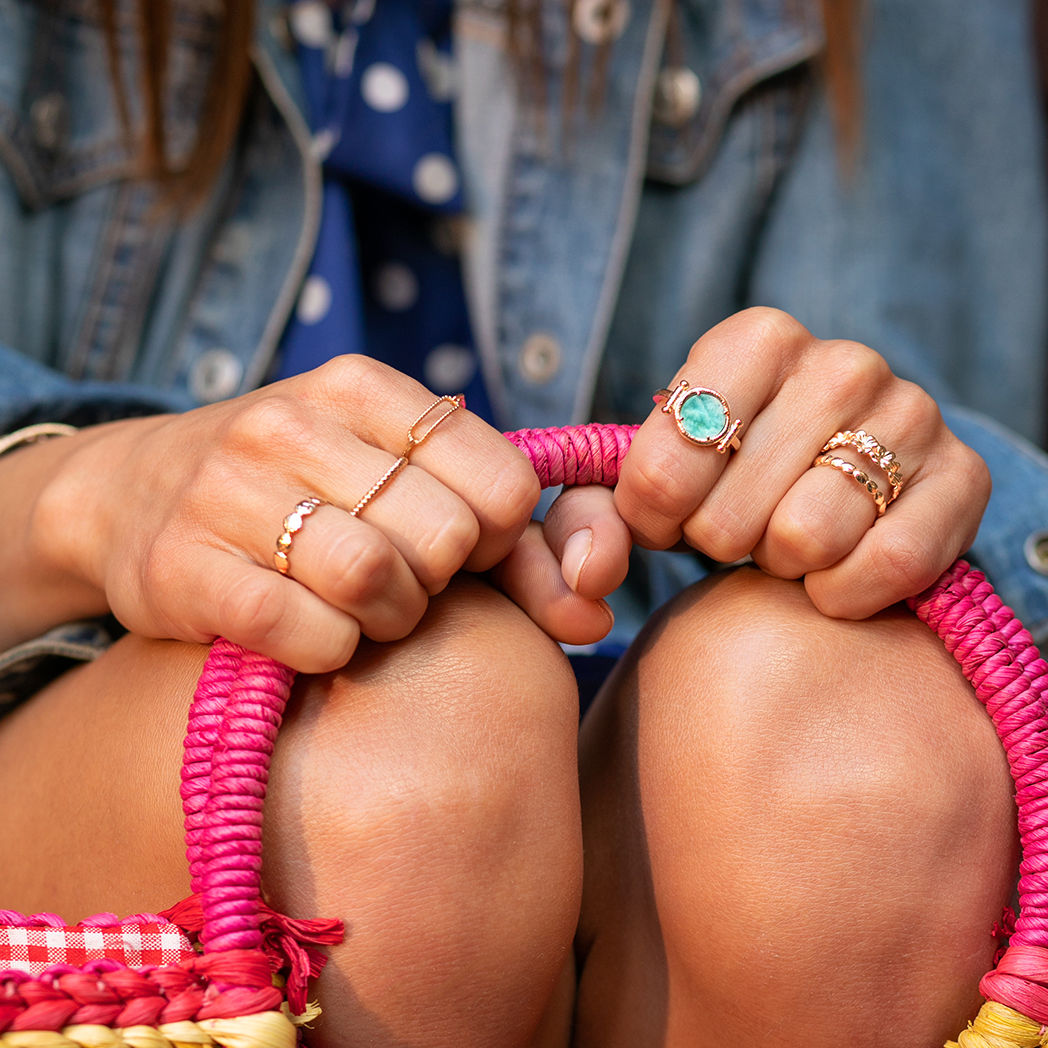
[240,699]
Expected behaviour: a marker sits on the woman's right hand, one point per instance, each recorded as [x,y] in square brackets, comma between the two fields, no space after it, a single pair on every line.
[171,522]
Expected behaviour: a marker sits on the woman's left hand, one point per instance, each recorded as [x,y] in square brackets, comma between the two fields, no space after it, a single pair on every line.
[793,393]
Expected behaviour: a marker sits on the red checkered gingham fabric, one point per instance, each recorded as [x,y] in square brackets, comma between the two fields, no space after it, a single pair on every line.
[33,949]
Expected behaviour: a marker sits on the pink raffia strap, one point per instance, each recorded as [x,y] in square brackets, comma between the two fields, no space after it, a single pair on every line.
[572,455]
[999,658]
[224,826]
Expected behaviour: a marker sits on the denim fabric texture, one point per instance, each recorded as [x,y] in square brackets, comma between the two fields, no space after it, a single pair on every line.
[603,240]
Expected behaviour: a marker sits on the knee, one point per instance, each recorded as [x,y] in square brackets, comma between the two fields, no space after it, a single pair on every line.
[428,796]
[804,721]
[826,793]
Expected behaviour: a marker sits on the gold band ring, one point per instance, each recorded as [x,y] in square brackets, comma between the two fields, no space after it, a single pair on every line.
[702,415]
[827,458]
[441,408]
[879,455]
[292,526]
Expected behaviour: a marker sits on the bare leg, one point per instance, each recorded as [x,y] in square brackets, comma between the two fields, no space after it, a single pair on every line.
[427,795]
[799,832]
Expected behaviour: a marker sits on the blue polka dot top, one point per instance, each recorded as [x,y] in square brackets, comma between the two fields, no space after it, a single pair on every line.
[385,279]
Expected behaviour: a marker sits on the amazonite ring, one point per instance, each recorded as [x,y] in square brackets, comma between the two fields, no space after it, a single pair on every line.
[702,415]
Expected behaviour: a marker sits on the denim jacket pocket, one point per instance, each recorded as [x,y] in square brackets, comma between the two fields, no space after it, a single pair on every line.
[61,126]
[717,52]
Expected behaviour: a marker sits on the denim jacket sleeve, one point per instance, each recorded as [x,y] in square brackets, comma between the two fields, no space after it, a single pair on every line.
[31,392]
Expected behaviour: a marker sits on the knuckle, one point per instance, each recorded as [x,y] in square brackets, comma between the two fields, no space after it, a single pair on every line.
[269,420]
[720,533]
[977,479]
[327,654]
[915,409]
[653,489]
[512,493]
[358,565]
[252,609]
[445,548]
[771,325]
[854,370]
[364,378]
[905,562]
[804,535]
[770,335]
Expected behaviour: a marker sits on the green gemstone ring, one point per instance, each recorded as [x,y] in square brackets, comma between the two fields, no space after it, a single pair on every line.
[702,415]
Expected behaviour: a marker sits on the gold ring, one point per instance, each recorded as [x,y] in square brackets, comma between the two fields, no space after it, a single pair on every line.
[292,526]
[451,404]
[702,415]
[879,455]
[827,458]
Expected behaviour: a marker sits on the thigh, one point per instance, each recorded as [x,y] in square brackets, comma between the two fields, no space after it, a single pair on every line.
[427,795]
[799,831]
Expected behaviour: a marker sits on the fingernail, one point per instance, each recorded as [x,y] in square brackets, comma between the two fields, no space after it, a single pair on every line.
[576,553]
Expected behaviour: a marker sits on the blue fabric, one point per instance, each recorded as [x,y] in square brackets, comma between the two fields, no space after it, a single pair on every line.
[381,282]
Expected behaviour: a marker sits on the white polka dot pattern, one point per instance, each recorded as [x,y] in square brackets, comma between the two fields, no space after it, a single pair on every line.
[314,301]
[396,287]
[384,87]
[435,178]
[449,368]
[310,22]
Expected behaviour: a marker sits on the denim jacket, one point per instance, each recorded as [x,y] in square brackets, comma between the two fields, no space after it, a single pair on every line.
[603,239]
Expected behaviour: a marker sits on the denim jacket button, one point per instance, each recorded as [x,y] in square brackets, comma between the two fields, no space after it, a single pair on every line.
[1036,550]
[678,93]
[539,357]
[600,21]
[215,375]
[49,121]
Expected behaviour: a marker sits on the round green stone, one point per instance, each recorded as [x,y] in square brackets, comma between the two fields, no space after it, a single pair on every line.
[702,417]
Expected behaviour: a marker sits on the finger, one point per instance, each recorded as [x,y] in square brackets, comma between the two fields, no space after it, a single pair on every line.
[666,476]
[590,539]
[386,409]
[847,488]
[921,534]
[255,607]
[431,528]
[844,488]
[531,577]
[357,569]
[820,520]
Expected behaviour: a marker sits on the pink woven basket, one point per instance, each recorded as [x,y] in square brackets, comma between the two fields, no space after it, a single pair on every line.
[221,968]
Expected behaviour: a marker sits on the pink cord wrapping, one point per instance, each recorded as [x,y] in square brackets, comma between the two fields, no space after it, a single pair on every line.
[573,455]
[233,723]
[1010,678]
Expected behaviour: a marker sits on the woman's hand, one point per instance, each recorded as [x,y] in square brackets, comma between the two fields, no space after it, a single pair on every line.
[172,522]
[794,392]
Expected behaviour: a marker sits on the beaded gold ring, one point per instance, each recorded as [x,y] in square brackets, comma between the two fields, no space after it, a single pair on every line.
[859,476]
[292,526]
[877,453]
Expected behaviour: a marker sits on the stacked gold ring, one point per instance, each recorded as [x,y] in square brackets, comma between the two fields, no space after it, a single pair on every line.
[876,452]
[294,520]
[450,404]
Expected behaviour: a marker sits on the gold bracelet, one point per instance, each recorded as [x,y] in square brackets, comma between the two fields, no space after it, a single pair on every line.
[34,434]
